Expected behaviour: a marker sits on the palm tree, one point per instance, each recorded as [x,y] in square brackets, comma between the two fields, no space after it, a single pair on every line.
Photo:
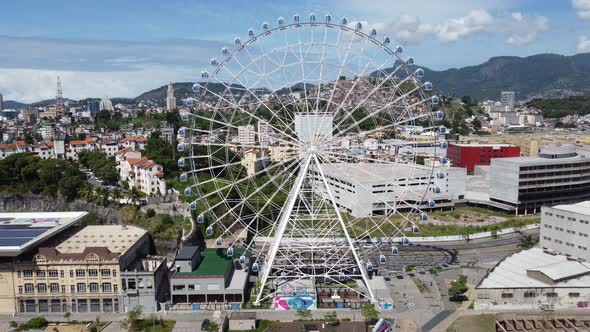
[134,195]
[116,195]
[87,192]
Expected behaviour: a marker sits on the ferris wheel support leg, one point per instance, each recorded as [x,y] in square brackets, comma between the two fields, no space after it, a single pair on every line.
[356,257]
[282,226]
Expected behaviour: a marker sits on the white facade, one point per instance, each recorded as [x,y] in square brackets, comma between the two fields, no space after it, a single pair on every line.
[364,189]
[170,99]
[566,229]
[314,127]
[47,132]
[507,99]
[140,172]
[246,135]
[263,133]
[280,153]
[253,161]
[106,104]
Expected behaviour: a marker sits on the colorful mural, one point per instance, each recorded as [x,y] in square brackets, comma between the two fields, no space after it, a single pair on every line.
[294,296]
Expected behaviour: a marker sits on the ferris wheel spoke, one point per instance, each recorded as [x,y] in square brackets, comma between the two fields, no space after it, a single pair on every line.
[253,115]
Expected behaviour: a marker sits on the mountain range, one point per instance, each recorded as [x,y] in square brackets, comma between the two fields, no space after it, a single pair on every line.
[536,76]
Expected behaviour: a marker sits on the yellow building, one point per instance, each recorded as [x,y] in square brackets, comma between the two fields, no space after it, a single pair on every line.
[82,274]
[530,143]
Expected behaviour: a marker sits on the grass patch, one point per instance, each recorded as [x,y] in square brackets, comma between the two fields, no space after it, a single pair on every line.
[480,323]
[161,226]
[419,284]
[448,230]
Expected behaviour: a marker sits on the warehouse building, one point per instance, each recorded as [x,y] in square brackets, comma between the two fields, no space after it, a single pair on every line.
[535,279]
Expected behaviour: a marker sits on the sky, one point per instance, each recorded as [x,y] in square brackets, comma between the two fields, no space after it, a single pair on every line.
[120,48]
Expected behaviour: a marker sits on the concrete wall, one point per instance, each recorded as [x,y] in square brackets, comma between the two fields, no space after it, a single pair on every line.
[492,299]
[242,324]
[565,232]
[504,181]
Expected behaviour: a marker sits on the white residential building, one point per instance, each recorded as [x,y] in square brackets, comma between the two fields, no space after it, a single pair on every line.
[109,147]
[106,104]
[566,229]
[254,161]
[47,132]
[507,99]
[263,133]
[246,135]
[140,172]
[170,99]
[133,142]
[75,147]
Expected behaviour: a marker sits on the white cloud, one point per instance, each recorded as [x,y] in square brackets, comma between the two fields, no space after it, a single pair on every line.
[31,85]
[410,29]
[454,29]
[583,44]
[525,29]
[582,8]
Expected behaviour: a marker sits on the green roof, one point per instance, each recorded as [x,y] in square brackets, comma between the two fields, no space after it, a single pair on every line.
[214,262]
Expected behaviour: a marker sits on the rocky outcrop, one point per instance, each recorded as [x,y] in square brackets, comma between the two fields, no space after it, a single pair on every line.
[17,202]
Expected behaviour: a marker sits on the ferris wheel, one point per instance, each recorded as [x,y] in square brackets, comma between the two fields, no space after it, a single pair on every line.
[292,156]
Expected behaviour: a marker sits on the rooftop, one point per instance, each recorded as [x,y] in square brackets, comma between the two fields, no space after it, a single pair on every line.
[22,230]
[581,208]
[536,161]
[187,252]
[512,271]
[486,145]
[375,172]
[117,238]
[214,263]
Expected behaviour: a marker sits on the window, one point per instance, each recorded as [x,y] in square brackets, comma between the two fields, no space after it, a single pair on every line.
[105,273]
[29,288]
[42,288]
[115,288]
[94,287]
[18,274]
[178,287]
[93,273]
[574,294]
[72,288]
[61,273]
[53,274]
[114,273]
[20,289]
[28,274]
[80,273]
[63,288]
[106,287]
[54,287]
[507,295]
[71,273]
[529,294]
[40,274]
[551,294]
[131,284]
[81,287]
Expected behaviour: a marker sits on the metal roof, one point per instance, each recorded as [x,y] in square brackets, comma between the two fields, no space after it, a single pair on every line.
[20,231]
[512,271]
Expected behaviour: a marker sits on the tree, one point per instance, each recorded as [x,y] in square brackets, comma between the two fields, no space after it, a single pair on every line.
[369,312]
[67,316]
[212,327]
[527,242]
[150,213]
[95,326]
[134,195]
[132,323]
[303,314]
[420,160]
[331,317]
[458,288]
[476,123]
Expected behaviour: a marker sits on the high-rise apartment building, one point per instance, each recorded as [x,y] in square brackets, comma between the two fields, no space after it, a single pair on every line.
[1,103]
[247,135]
[507,99]
[263,133]
[170,99]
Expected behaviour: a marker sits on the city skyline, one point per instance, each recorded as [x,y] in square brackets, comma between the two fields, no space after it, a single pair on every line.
[136,49]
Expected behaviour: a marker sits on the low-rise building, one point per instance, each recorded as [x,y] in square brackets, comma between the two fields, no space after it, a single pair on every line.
[535,279]
[145,283]
[133,142]
[369,189]
[469,155]
[205,277]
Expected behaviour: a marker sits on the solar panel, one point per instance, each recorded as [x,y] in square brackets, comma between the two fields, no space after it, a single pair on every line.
[14,242]
[21,233]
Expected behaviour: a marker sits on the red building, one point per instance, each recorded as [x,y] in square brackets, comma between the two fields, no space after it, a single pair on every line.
[468,155]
